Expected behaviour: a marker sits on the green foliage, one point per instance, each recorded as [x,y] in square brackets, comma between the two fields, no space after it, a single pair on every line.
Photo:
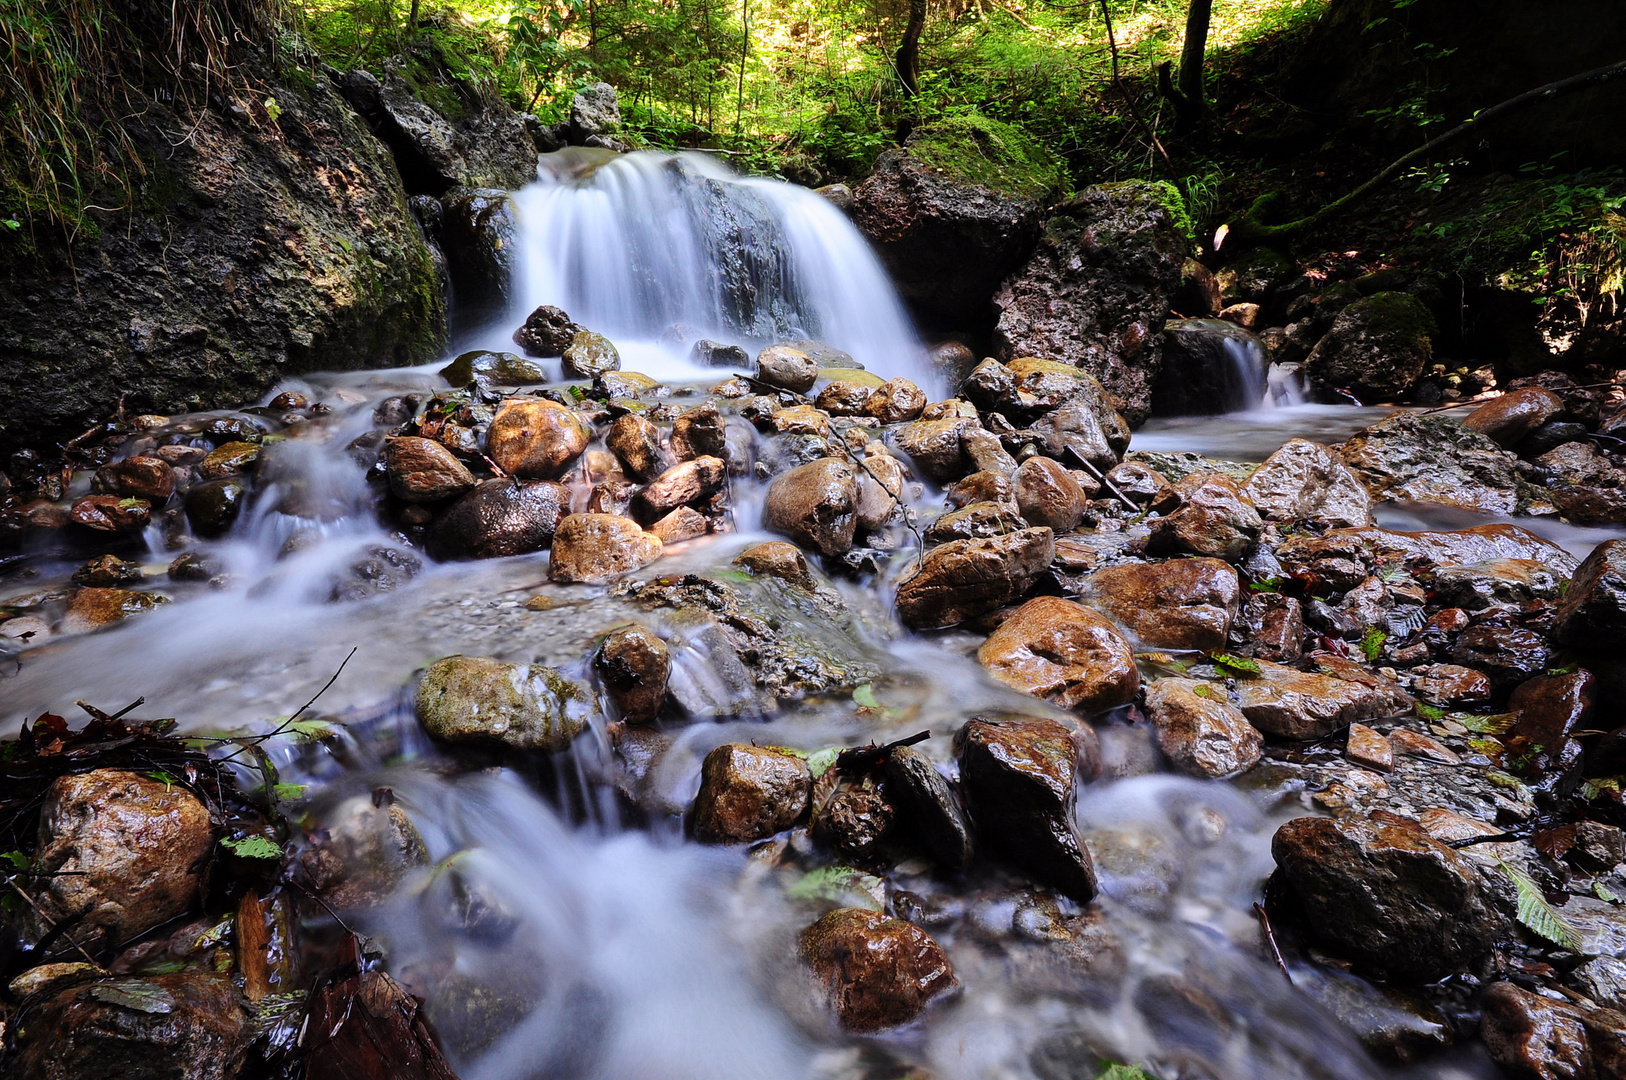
[1539,916]
[1235,666]
[1497,724]
[252,847]
[839,885]
[982,151]
[1372,643]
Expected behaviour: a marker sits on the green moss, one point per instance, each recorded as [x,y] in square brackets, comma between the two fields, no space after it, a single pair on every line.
[1169,198]
[996,155]
[1400,317]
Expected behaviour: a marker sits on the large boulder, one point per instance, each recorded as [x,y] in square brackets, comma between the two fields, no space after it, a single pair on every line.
[1295,704]
[533,438]
[1377,347]
[1063,652]
[477,233]
[1412,456]
[1179,604]
[1205,514]
[120,853]
[815,505]
[877,972]
[593,549]
[1020,779]
[594,110]
[1199,730]
[499,518]
[1384,893]
[966,578]
[954,211]
[1097,289]
[1304,481]
[1593,613]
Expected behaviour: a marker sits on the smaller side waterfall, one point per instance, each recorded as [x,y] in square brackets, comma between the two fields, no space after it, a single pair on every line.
[657,250]
[1211,366]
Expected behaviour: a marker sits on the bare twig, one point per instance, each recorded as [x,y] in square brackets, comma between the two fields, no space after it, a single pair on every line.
[1270,939]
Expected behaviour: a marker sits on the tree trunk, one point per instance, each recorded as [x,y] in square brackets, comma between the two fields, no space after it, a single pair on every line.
[908,58]
[1192,57]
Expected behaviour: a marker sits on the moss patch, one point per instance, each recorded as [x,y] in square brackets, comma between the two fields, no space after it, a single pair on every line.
[983,151]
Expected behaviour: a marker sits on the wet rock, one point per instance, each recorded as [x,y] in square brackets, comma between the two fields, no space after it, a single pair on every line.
[477,701]
[967,578]
[111,513]
[680,525]
[1179,604]
[700,432]
[1203,368]
[1508,654]
[787,368]
[748,793]
[981,487]
[634,666]
[149,478]
[815,505]
[502,368]
[1494,583]
[895,401]
[593,549]
[1296,704]
[1212,517]
[191,1024]
[478,236]
[1063,652]
[194,566]
[1451,686]
[422,470]
[500,518]
[636,443]
[946,239]
[1376,348]
[801,420]
[855,820]
[1592,615]
[876,972]
[1089,429]
[985,452]
[531,438]
[547,332]
[213,507]
[976,521]
[590,355]
[1585,484]
[122,852]
[1538,1038]
[1551,709]
[776,558]
[843,398]
[1136,482]
[362,854]
[107,571]
[1304,481]
[93,608]
[1019,778]
[1511,417]
[1603,979]
[707,353]
[1411,456]
[1274,627]
[1383,892]
[928,806]
[1199,730]
[933,446]
[1047,494]
[692,482]
[1098,287]
[1368,747]
[881,480]
[594,110]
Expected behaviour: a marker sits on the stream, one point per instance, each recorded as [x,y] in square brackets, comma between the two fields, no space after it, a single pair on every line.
[565,927]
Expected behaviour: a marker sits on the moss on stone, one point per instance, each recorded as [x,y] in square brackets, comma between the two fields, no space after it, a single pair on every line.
[996,155]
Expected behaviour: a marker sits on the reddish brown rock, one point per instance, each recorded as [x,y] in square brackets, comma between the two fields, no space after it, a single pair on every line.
[1296,704]
[149,478]
[531,438]
[776,558]
[749,793]
[1369,748]
[634,665]
[1535,1037]
[597,548]
[682,485]
[1179,604]
[966,578]
[636,443]
[111,513]
[877,972]
[1063,652]
[93,608]
[1210,516]
[1450,685]
[1199,730]
[816,505]
[680,525]
[1047,494]
[843,398]
[895,401]
[1511,417]
[422,470]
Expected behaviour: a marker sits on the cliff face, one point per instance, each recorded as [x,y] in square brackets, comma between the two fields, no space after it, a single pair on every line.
[271,234]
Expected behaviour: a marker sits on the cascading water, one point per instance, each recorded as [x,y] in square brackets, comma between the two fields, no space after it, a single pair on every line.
[655,250]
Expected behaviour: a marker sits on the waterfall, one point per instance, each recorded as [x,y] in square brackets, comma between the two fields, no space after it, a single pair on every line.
[644,247]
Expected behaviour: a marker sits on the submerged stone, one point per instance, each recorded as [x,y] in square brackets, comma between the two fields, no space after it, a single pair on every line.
[479,701]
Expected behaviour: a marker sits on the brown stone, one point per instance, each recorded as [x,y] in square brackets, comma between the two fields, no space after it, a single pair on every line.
[749,793]
[597,548]
[801,420]
[634,665]
[816,505]
[682,485]
[111,513]
[1048,495]
[149,478]
[1370,748]
[92,609]
[877,972]
[1511,417]
[1212,517]
[966,578]
[1179,604]
[880,481]
[1020,778]
[1417,744]
[981,487]
[787,368]
[1296,704]
[933,446]
[1063,652]
[975,521]
[532,438]
[776,558]
[498,518]
[107,571]
[700,432]
[1275,626]
[843,398]
[1534,1037]
[121,853]
[895,401]
[228,460]
[636,443]
[1450,685]
[1199,730]
[422,470]
[680,525]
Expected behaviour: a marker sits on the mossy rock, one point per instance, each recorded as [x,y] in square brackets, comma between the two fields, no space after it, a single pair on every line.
[503,368]
[978,150]
[472,699]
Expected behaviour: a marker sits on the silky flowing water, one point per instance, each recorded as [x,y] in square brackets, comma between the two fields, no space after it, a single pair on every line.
[557,935]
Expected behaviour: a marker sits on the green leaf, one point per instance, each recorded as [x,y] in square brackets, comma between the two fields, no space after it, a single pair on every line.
[1537,915]
[1372,643]
[17,859]
[820,762]
[1114,1071]
[134,994]
[1204,690]
[272,109]
[252,847]
[1502,779]
[288,792]
[1604,893]
[1430,712]
[865,696]
[1232,664]
[311,730]
[1596,789]
[167,779]
[838,885]
[1266,585]
[1497,724]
